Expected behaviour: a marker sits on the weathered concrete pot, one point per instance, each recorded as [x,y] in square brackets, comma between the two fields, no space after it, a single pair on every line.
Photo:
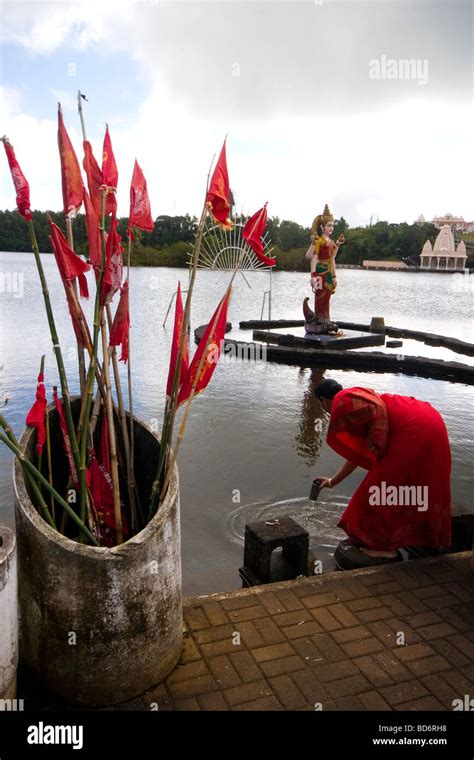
[99,626]
[8,614]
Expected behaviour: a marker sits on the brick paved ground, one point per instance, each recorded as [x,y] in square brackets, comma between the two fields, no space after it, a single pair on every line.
[334,640]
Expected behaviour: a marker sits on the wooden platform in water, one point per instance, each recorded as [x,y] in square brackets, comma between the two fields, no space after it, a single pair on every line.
[429,339]
[363,361]
[348,339]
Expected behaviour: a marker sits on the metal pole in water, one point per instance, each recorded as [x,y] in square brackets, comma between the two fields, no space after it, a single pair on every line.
[270,297]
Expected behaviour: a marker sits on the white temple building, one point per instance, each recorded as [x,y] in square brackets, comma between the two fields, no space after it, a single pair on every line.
[444,255]
[457,223]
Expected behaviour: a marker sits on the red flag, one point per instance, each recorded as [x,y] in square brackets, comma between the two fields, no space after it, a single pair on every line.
[69,264]
[93,231]
[177,332]
[66,440]
[215,332]
[101,488]
[21,185]
[109,167]
[71,178]
[121,324]
[140,211]
[95,182]
[253,232]
[94,176]
[112,278]
[35,416]
[218,193]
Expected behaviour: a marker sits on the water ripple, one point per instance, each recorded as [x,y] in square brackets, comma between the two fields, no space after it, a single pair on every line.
[318,518]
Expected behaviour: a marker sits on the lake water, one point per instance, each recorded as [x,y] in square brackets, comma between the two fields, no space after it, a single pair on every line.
[251,448]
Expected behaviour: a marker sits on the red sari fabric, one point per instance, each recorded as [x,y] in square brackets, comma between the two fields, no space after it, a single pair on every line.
[412,450]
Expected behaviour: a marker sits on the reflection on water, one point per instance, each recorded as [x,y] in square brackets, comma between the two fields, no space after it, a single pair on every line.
[251,438]
[312,419]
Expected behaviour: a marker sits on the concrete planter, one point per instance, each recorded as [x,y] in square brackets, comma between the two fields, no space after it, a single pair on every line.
[8,614]
[100,626]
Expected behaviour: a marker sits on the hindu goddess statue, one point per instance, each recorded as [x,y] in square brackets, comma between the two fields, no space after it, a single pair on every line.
[322,253]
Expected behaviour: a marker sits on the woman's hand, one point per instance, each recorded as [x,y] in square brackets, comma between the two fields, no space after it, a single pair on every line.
[325,482]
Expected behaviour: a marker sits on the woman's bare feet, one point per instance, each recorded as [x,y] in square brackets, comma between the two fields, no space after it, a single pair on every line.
[375,553]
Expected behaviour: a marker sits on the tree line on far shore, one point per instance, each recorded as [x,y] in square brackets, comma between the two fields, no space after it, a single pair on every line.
[172,237]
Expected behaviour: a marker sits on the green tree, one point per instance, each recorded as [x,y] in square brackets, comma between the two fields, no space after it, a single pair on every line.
[170,241]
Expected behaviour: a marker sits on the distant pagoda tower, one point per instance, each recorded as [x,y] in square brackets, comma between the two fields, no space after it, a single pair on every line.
[444,255]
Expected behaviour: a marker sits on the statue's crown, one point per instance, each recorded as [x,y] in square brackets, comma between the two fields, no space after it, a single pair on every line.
[323,218]
[326,215]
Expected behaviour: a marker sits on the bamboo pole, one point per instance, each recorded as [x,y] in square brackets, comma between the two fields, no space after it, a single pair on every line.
[105,370]
[34,475]
[40,456]
[39,496]
[48,457]
[81,115]
[37,476]
[34,485]
[89,347]
[95,412]
[169,468]
[129,384]
[100,392]
[99,397]
[98,373]
[80,350]
[113,444]
[170,407]
[171,402]
[123,426]
[56,347]
[92,367]
[72,290]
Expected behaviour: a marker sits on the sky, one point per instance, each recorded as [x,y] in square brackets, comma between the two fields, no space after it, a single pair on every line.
[366,106]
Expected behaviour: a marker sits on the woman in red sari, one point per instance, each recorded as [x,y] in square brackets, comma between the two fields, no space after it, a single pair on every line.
[405,498]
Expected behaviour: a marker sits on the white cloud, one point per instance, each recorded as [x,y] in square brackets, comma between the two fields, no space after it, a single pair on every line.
[34,141]
[390,165]
[294,57]
[44,26]
[297,138]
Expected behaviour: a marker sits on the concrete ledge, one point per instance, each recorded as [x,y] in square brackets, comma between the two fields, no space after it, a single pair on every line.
[459,561]
[9,691]
[8,614]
